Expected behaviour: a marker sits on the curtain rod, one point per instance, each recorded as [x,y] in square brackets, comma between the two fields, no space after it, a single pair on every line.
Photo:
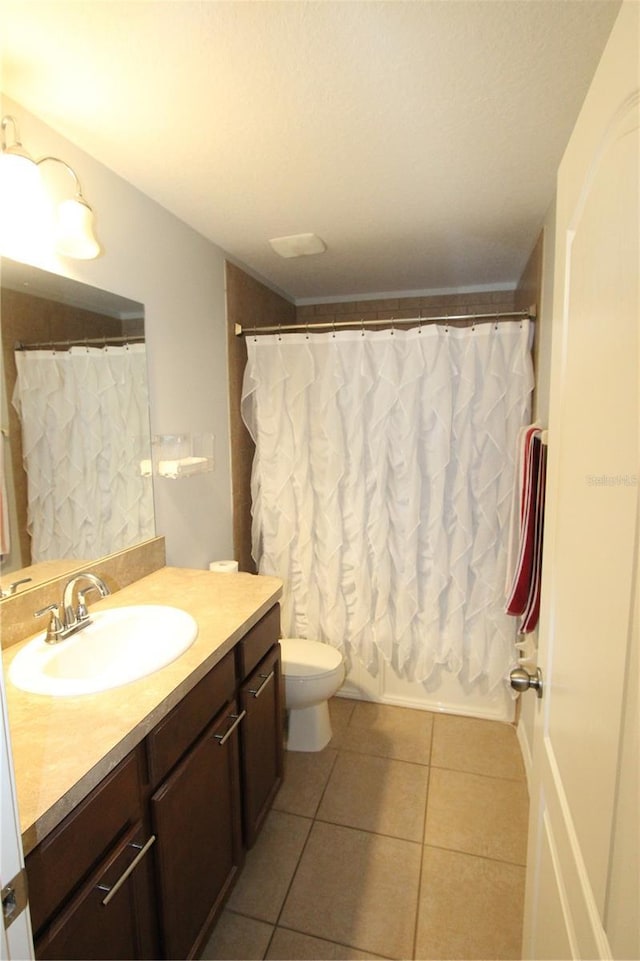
[529,314]
[103,341]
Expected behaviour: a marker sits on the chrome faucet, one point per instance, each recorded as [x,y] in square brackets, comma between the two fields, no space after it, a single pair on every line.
[70,616]
[73,619]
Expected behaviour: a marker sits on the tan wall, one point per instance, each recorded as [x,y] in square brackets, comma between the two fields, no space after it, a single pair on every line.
[251,304]
[536,287]
[529,292]
[406,307]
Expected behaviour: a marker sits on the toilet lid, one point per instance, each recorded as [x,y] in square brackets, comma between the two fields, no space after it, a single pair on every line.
[302,658]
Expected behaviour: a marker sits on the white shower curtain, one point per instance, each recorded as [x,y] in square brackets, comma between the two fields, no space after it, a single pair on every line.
[381,489]
[85,431]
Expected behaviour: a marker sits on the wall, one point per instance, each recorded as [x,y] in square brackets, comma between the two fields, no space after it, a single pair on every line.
[429,305]
[152,257]
[250,304]
[536,287]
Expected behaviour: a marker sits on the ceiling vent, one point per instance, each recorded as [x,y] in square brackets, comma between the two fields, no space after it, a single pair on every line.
[298,245]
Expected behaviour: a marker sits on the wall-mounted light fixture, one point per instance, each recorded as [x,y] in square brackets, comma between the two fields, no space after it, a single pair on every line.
[30,216]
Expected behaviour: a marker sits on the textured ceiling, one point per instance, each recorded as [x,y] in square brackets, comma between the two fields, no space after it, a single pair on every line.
[419,140]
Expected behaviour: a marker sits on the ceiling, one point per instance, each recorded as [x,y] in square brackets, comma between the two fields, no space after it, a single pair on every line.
[419,140]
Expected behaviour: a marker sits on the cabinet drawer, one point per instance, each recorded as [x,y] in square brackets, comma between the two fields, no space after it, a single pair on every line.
[109,917]
[80,842]
[180,728]
[256,642]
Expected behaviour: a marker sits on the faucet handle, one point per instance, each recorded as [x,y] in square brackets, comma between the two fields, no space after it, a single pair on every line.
[54,629]
[11,589]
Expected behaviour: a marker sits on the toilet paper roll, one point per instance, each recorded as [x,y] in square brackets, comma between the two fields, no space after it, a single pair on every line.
[224,567]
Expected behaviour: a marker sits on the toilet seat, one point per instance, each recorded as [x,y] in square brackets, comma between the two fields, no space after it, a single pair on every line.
[303,658]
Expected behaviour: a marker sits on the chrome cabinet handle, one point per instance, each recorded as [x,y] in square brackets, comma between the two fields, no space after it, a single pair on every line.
[258,691]
[111,892]
[221,738]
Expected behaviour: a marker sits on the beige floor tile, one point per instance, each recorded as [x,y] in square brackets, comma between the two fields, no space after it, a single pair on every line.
[357,889]
[305,778]
[293,946]
[238,939]
[387,731]
[479,815]
[470,907]
[269,867]
[376,794]
[481,747]
[340,712]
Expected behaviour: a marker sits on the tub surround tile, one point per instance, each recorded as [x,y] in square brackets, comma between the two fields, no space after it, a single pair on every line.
[394,732]
[289,945]
[270,866]
[477,746]
[470,907]
[485,816]
[357,889]
[306,776]
[237,938]
[376,794]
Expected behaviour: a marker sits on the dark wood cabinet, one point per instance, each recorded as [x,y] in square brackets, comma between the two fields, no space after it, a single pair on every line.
[90,882]
[142,867]
[261,742]
[196,818]
[110,917]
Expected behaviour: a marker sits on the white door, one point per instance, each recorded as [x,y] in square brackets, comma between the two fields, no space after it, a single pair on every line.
[15,932]
[582,876]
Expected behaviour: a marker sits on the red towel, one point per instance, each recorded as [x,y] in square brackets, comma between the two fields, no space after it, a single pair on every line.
[524,595]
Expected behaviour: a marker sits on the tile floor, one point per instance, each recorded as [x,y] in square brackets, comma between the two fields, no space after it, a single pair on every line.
[404,838]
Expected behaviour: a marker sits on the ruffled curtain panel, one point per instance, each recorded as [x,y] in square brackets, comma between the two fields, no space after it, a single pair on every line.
[85,431]
[382,485]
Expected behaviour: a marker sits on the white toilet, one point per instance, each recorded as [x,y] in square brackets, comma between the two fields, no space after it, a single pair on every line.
[312,673]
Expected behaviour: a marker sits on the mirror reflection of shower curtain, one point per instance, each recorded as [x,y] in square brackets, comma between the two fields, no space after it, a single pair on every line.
[85,432]
[381,488]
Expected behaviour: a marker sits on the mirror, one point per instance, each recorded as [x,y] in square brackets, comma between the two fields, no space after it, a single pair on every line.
[42,308]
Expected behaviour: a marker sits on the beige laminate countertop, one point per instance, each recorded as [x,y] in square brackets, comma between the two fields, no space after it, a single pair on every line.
[64,746]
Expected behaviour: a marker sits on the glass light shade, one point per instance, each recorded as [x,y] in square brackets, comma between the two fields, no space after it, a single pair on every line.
[26,220]
[74,230]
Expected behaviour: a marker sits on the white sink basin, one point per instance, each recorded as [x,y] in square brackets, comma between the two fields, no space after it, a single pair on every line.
[121,645]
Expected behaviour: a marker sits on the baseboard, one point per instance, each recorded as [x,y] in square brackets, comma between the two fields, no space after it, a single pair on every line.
[525,748]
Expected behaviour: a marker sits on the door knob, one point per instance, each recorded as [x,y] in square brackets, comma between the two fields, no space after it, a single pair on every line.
[521,680]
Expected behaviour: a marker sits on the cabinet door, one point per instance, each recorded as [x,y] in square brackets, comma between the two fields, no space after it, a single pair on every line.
[196,817]
[261,742]
[110,916]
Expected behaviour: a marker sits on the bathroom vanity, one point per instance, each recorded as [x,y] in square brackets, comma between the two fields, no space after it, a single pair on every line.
[140,849]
